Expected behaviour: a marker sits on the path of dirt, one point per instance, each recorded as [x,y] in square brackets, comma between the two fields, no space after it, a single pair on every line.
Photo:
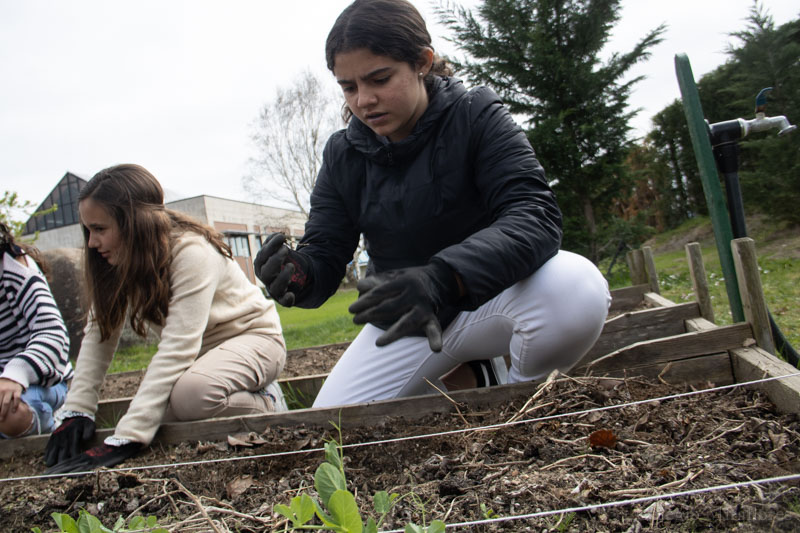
[674,445]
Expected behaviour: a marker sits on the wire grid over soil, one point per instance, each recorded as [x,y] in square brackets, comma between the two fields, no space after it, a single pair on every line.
[729,436]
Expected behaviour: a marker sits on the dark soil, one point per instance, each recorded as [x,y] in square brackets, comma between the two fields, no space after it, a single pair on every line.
[662,447]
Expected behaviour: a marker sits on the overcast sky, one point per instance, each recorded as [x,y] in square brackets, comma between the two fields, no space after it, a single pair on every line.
[176,85]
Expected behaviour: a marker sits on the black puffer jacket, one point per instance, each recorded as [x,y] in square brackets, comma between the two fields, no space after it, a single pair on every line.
[464,187]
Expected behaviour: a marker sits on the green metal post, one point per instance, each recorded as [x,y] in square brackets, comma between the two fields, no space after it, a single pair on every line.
[698,130]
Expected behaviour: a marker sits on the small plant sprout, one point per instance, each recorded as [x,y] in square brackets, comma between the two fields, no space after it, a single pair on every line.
[337,508]
[88,523]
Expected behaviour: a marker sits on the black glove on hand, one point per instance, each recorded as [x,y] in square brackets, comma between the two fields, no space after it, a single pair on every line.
[408,301]
[103,455]
[283,271]
[68,439]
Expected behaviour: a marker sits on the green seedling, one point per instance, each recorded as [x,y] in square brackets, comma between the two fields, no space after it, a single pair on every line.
[88,523]
[564,520]
[337,508]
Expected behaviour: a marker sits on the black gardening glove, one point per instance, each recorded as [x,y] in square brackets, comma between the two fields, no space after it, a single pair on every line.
[103,455]
[407,302]
[283,271]
[68,439]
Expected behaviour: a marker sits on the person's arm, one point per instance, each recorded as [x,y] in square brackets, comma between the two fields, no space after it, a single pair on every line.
[94,358]
[195,273]
[526,231]
[332,232]
[46,353]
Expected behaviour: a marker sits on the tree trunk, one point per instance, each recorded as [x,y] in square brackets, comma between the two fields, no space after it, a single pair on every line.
[591,225]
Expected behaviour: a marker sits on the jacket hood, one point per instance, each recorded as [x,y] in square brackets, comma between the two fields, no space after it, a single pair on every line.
[444,93]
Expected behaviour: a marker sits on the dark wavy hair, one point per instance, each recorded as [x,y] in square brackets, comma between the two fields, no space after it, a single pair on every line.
[8,245]
[139,283]
[392,28]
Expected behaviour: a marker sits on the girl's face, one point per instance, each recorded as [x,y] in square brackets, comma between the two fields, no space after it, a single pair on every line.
[104,234]
[386,95]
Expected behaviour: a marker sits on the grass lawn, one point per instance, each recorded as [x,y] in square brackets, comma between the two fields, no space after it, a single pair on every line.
[330,323]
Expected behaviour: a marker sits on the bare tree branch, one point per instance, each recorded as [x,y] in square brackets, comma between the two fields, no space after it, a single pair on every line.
[290,134]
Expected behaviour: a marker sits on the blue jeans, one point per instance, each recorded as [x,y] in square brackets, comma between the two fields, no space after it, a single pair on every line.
[43,401]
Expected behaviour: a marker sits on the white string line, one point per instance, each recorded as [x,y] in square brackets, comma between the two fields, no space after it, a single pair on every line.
[414,437]
[619,503]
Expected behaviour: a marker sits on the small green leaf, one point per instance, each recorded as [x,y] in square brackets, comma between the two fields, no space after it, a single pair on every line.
[120,523]
[381,502]
[137,522]
[284,511]
[65,522]
[413,528]
[300,511]
[437,526]
[88,523]
[372,527]
[151,521]
[327,480]
[303,508]
[36,530]
[344,511]
[325,517]
[332,454]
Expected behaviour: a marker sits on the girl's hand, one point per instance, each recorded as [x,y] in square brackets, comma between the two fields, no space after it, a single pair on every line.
[10,394]
[405,302]
[103,455]
[283,271]
[68,439]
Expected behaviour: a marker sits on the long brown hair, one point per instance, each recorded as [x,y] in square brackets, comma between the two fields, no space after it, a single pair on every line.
[139,282]
[392,28]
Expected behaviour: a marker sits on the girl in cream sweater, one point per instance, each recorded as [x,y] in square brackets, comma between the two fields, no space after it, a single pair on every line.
[221,346]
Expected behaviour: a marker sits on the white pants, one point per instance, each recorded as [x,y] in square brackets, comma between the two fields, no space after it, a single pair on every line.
[545,322]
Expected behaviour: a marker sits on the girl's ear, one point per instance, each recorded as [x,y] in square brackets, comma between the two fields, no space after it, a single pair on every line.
[425,61]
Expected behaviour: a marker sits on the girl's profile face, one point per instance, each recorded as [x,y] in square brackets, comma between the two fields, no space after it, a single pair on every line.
[104,234]
[385,94]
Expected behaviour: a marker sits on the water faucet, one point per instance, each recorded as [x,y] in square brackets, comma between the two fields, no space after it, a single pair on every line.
[730,131]
[763,122]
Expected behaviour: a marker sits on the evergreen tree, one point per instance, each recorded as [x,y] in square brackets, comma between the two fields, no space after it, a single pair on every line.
[542,58]
[670,139]
[769,165]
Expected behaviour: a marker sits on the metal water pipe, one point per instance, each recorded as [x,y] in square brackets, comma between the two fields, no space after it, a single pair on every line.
[724,138]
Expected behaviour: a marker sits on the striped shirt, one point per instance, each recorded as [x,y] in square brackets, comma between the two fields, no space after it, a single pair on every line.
[34,343]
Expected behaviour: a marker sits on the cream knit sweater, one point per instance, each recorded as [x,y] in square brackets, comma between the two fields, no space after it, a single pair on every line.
[211,301]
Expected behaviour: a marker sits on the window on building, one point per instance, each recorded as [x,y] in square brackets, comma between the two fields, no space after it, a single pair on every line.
[240,245]
[65,196]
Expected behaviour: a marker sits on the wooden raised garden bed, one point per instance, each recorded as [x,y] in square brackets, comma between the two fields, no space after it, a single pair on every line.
[647,335]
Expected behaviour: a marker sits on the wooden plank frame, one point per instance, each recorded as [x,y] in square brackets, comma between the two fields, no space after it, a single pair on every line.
[697,271]
[628,298]
[752,294]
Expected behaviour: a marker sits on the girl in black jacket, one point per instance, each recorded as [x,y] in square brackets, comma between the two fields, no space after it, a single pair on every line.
[462,230]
